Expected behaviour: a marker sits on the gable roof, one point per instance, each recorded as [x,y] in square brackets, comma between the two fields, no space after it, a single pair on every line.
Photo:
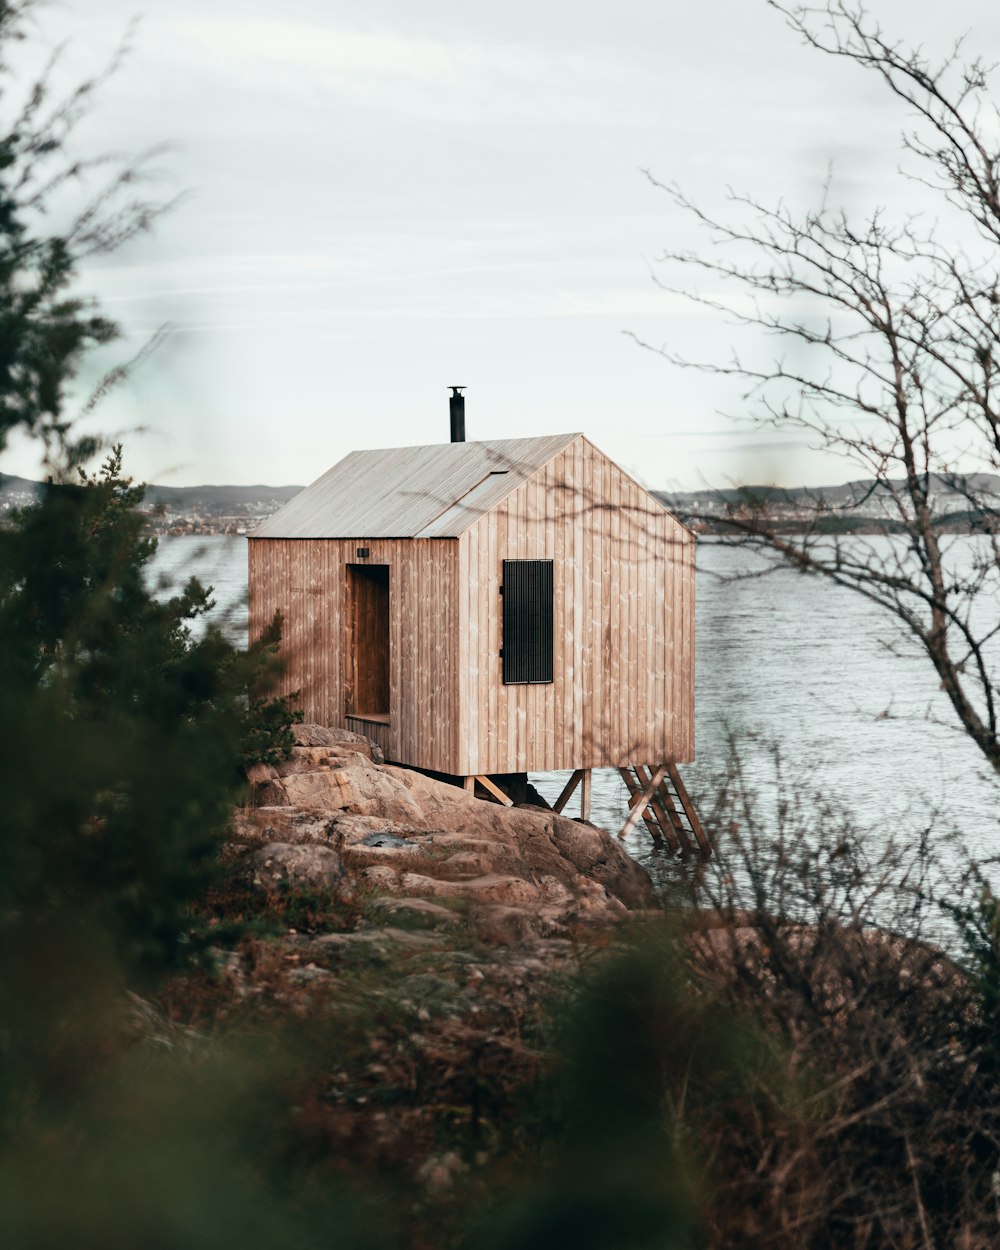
[435,491]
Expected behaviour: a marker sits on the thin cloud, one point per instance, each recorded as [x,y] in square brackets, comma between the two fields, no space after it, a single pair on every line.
[784,444]
[318,46]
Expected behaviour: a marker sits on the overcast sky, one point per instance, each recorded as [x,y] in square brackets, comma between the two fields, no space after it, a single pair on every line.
[384,199]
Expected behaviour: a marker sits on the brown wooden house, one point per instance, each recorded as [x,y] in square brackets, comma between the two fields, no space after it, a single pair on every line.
[489,608]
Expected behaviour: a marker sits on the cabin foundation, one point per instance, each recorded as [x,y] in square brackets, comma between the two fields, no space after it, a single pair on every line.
[657,796]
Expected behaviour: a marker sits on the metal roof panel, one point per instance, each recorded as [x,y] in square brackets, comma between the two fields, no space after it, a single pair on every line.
[434,491]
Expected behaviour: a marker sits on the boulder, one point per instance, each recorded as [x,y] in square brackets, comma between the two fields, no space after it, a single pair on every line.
[360,787]
[302,867]
[259,826]
[321,736]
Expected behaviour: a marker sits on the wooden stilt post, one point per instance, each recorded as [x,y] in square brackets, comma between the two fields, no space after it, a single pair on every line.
[664,811]
[634,783]
[641,801]
[567,791]
[585,794]
[661,799]
[469,783]
[491,788]
[692,815]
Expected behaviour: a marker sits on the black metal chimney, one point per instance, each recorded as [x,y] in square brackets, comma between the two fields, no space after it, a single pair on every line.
[456,402]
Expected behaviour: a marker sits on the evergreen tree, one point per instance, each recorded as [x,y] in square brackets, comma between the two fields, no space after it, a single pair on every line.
[123,727]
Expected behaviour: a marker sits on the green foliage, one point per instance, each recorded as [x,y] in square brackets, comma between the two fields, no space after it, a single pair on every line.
[131,727]
[126,718]
[268,736]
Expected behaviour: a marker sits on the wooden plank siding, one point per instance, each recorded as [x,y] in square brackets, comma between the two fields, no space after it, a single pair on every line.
[306,580]
[623,663]
[623,628]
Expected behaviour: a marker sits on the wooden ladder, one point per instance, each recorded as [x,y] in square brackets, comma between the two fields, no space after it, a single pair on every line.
[659,797]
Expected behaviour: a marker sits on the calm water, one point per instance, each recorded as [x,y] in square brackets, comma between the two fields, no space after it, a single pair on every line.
[791,660]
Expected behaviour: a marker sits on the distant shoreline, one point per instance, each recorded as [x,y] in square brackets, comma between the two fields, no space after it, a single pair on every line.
[852,508]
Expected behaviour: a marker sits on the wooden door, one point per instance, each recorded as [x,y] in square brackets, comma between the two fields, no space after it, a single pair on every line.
[367,654]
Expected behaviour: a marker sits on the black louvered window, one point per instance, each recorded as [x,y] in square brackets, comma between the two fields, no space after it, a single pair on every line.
[527,622]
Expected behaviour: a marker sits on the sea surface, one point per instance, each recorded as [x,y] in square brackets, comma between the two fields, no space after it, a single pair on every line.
[789,668]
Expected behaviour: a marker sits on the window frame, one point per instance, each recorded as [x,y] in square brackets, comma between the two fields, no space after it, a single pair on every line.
[527,589]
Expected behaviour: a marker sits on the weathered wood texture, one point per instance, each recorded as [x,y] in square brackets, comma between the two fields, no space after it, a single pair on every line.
[307,581]
[623,688]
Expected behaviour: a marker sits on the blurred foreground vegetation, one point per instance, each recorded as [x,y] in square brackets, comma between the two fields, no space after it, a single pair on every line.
[810,1070]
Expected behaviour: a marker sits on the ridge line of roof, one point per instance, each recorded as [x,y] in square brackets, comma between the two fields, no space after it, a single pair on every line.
[469,442]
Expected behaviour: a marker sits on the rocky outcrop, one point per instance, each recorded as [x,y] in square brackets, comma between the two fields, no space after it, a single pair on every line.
[280,865]
[335,817]
[430,933]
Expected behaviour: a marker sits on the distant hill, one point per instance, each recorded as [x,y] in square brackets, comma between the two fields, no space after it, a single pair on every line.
[844,494]
[182,509]
[9,484]
[219,498]
[959,503]
[214,497]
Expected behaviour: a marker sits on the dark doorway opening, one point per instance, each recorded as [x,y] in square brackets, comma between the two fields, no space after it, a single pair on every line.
[368,653]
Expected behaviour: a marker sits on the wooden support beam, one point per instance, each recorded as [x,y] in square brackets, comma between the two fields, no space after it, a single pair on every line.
[675,818]
[585,795]
[634,788]
[493,789]
[469,783]
[692,815]
[567,791]
[641,802]
[665,812]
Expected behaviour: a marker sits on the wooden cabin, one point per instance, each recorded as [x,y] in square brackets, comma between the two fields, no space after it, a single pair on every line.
[482,609]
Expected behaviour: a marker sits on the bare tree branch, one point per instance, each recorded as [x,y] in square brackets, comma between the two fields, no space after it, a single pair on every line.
[896,364]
